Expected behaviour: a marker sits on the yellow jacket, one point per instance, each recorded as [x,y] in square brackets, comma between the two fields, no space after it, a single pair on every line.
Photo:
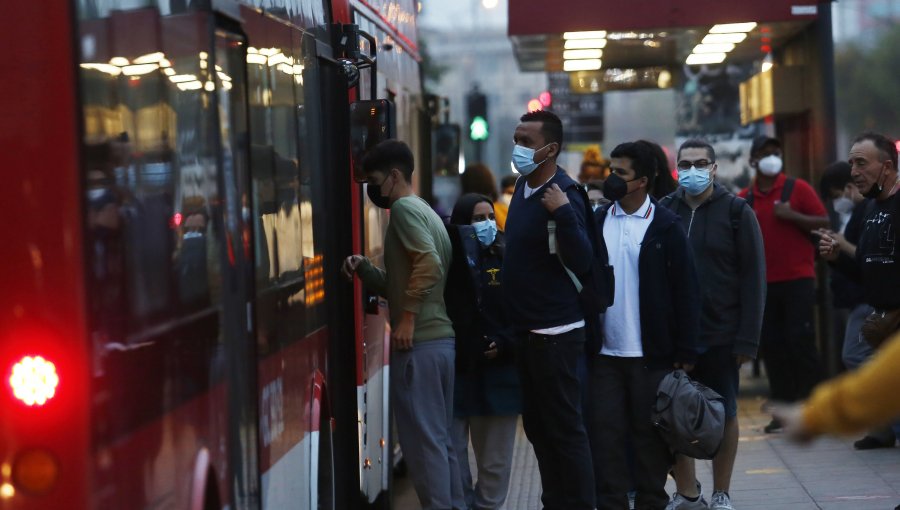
[500,212]
[860,399]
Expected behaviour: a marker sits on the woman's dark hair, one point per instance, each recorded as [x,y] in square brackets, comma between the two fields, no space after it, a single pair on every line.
[664,183]
[462,211]
[478,178]
[835,176]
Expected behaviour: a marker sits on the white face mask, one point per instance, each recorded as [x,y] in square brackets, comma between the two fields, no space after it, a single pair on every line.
[842,205]
[770,165]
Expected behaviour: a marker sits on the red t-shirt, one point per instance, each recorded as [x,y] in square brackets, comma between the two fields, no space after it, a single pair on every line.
[790,255]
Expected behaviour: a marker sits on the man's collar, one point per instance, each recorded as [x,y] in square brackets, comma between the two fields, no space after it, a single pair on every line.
[643,211]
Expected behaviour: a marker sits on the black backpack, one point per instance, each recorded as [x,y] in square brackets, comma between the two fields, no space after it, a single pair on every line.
[785,191]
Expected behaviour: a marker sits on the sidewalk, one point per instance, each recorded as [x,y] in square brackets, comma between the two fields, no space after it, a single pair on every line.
[770,473]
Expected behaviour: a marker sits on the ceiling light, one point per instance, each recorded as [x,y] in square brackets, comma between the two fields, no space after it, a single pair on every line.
[713,48]
[724,38]
[591,64]
[139,69]
[732,27]
[576,54]
[705,58]
[150,58]
[597,34]
[580,44]
[181,78]
[119,61]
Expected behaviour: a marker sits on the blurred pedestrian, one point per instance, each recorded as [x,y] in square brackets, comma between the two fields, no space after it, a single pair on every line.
[544,308]
[875,262]
[501,206]
[651,327]
[788,210]
[730,261]
[595,195]
[663,184]
[416,258]
[487,397]
[593,166]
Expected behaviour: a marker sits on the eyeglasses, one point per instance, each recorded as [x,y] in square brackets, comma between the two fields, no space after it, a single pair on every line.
[700,164]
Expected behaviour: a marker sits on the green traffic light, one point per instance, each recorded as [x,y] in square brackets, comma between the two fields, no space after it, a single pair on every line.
[478,130]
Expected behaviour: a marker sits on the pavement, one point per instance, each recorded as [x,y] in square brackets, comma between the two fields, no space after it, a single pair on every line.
[770,473]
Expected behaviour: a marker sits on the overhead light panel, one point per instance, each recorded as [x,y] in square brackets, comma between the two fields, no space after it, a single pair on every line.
[714,48]
[590,64]
[724,38]
[581,44]
[577,54]
[151,58]
[732,27]
[705,58]
[596,34]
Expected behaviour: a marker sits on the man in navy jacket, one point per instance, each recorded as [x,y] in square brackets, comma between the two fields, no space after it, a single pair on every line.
[651,328]
[543,306]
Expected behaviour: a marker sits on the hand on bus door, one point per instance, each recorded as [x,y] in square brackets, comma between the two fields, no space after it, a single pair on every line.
[402,335]
[351,263]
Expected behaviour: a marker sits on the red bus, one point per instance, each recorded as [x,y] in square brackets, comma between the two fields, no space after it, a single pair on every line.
[179,195]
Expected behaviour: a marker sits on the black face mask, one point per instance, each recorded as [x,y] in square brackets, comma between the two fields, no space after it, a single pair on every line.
[374,192]
[876,188]
[615,188]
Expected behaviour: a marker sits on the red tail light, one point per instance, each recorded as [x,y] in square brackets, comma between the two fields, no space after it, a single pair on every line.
[34,380]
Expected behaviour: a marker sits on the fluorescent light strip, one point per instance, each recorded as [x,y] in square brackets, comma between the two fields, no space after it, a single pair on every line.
[576,54]
[596,34]
[591,64]
[583,44]
[714,48]
[732,27]
[705,58]
[724,38]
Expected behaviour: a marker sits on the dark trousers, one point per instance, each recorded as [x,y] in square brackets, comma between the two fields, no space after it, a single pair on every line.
[552,417]
[622,391]
[788,345]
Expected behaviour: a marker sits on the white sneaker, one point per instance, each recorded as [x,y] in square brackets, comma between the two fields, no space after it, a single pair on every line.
[720,501]
[680,502]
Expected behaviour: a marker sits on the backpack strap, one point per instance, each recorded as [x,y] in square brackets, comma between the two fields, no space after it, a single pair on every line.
[735,209]
[787,189]
[749,198]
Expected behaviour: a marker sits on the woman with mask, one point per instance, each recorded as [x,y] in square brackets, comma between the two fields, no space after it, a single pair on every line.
[487,398]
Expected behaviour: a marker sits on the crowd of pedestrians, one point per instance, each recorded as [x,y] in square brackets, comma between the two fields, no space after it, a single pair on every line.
[492,314]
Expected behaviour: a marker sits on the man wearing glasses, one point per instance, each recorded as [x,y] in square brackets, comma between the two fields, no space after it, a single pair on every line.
[730,261]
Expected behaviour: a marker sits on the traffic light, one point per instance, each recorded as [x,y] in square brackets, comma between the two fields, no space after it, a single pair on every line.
[476,103]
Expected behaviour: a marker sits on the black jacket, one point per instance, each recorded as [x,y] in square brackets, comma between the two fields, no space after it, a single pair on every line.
[669,292]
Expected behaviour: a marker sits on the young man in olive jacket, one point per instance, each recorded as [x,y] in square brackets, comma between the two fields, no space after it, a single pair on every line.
[651,328]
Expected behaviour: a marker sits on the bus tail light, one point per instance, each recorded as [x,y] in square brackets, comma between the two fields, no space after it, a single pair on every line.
[34,380]
[35,472]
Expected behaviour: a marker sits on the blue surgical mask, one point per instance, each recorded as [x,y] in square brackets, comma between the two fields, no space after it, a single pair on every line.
[486,231]
[694,181]
[523,159]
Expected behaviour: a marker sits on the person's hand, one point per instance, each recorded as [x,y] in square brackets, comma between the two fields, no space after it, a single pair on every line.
[351,264]
[791,418]
[687,367]
[740,359]
[492,351]
[402,335]
[829,248]
[783,210]
[554,198]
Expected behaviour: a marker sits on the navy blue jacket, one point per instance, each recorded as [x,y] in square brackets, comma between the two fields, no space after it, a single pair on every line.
[669,292]
[539,293]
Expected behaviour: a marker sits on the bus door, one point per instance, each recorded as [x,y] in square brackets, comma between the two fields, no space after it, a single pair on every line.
[226,76]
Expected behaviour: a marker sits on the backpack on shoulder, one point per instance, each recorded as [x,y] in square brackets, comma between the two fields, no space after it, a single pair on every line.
[689,416]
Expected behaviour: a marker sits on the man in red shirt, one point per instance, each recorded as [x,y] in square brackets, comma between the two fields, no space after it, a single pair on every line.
[787,209]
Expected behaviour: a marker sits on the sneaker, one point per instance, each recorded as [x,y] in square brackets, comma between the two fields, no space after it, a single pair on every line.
[871,443]
[680,502]
[720,501]
[774,426]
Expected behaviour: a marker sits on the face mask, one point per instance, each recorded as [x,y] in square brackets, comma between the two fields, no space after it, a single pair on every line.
[615,188]
[876,188]
[523,159]
[374,192]
[842,205]
[486,231]
[694,181]
[770,165]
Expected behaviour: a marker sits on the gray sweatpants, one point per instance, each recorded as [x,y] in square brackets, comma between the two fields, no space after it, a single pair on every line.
[493,441]
[422,400]
[856,351]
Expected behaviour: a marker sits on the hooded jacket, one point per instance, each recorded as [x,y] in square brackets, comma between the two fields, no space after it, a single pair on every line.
[731,268]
